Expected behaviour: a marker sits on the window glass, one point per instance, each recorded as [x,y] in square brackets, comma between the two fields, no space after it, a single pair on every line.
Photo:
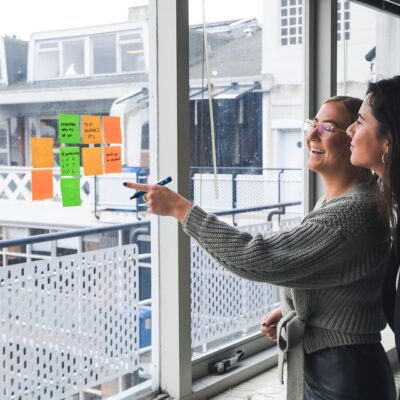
[257,110]
[17,141]
[73,57]
[367,54]
[104,54]
[132,57]
[48,63]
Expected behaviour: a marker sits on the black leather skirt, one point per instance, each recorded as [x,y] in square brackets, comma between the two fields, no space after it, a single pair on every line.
[355,372]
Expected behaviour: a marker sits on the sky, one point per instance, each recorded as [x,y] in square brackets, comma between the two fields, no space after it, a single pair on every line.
[24,17]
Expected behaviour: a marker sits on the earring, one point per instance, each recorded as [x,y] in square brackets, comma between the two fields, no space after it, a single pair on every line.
[384,158]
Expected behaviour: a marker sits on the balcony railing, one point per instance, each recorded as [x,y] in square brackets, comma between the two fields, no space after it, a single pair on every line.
[73,324]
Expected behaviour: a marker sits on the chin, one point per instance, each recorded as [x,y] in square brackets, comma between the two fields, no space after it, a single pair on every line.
[312,167]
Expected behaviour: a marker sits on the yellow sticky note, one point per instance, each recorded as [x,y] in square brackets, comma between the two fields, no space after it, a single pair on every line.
[112,159]
[42,184]
[42,152]
[91,159]
[91,132]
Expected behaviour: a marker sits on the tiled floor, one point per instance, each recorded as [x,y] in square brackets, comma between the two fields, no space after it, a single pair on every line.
[265,386]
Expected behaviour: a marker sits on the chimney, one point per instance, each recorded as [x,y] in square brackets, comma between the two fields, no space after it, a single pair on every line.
[138,13]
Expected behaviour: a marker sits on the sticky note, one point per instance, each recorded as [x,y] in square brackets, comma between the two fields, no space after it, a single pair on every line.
[42,152]
[68,128]
[112,159]
[112,130]
[70,161]
[91,133]
[91,160]
[70,191]
[42,184]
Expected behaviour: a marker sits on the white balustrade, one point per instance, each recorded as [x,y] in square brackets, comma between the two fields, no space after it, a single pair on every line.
[68,323]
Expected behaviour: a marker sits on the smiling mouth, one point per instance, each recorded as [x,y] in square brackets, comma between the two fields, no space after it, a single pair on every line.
[314,150]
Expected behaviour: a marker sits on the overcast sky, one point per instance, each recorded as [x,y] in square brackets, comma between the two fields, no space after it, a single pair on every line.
[24,17]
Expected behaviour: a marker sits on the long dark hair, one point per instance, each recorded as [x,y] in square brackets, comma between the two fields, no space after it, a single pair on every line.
[384,100]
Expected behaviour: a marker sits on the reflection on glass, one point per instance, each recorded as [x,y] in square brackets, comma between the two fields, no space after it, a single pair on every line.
[257,100]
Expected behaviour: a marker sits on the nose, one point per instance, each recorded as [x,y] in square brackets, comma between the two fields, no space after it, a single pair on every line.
[313,134]
[350,130]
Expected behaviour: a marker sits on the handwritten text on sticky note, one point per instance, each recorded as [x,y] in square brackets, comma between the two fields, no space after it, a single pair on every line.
[70,161]
[112,159]
[91,132]
[68,128]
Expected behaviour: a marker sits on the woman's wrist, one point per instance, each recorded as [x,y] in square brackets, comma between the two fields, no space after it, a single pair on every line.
[183,210]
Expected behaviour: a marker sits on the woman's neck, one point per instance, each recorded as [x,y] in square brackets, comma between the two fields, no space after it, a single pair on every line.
[337,185]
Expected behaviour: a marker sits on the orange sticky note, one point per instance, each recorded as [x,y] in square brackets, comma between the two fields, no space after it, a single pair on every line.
[91,158]
[42,184]
[112,130]
[42,152]
[112,159]
[91,132]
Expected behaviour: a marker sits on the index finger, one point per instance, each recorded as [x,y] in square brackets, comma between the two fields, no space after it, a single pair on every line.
[138,186]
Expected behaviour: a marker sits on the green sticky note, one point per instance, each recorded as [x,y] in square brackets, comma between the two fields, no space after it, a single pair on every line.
[70,161]
[71,192]
[68,128]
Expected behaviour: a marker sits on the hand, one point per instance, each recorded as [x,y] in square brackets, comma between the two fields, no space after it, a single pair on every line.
[270,323]
[162,201]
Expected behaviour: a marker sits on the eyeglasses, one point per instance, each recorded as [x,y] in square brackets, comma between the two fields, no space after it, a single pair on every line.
[325,129]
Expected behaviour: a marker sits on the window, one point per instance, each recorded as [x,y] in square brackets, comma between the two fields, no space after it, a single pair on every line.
[253,131]
[48,60]
[368,53]
[73,57]
[343,19]
[104,54]
[291,22]
[132,53]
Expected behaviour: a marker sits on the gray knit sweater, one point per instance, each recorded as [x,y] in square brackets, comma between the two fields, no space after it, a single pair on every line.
[331,266]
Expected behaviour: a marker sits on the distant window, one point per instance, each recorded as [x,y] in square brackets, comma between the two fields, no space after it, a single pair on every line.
[104,54]
[132,53]
[343,15]
[107,54]
[48,61]
[73,57]
[291,13]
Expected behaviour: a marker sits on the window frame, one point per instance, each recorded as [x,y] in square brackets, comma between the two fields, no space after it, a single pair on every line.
[87,34]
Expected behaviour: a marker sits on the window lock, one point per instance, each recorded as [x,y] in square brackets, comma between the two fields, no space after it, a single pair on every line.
[222,366]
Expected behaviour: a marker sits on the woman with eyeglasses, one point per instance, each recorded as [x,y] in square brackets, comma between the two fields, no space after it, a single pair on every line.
[375,144]
[330,267]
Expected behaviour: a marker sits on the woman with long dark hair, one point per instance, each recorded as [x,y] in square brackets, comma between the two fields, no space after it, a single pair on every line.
[376,145]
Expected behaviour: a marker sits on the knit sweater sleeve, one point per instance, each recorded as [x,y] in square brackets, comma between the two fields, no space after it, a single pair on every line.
[316,254]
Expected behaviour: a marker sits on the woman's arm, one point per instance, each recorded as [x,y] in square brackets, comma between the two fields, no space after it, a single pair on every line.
[318,253]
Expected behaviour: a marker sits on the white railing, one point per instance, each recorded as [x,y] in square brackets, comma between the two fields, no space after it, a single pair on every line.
[106,191]
[69,323]
[223,304]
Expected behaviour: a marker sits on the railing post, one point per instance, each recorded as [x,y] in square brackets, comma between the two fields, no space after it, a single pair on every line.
[234,194]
